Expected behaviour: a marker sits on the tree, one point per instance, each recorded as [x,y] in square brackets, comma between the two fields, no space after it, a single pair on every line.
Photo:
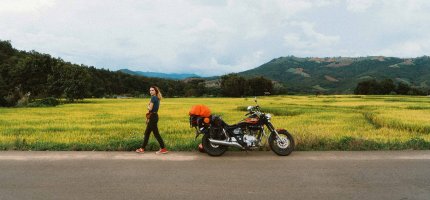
[195,87]
[233,85]
[387,86]
[76,83]
[6,50]
[3,92]
[174,89]
[258,86]
[368,87]
[402,88]
[3,87]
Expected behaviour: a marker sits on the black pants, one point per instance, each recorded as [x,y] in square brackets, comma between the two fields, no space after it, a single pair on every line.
[152,126]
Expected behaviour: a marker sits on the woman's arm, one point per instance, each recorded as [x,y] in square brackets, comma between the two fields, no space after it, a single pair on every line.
[150,106]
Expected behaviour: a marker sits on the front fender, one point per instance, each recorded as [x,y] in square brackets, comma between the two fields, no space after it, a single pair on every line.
[280,129]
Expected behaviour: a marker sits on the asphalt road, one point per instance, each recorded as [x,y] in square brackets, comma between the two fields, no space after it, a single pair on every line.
[236,175]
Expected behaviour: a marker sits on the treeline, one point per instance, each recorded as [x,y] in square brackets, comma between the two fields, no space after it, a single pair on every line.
[233,85]
[387,86]
[34,75]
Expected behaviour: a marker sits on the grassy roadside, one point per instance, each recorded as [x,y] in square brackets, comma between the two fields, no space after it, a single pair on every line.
[341,122]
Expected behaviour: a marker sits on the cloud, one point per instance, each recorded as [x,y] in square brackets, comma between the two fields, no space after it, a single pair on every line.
[24,6]
[400,30]
[212,37]
[306,40]
[359,5]
[407,49]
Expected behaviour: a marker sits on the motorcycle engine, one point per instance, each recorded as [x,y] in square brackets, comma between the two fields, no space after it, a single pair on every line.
[237,131]
[238,134]
[250,140]
[246,136]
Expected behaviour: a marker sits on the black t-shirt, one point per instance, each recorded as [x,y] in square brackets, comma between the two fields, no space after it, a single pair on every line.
[156,102]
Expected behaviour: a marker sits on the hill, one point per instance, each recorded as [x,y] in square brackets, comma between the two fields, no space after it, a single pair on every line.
[173,76]
[32,75]
[42,75]
[341,74]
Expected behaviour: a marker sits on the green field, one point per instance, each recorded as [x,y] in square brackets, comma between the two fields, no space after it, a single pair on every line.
[317,123]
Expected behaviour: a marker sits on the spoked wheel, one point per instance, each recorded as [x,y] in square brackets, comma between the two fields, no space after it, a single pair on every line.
[212,149]
[283,145]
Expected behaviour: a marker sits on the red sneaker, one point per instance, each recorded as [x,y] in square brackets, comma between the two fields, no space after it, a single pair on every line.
[140,150]
[162,151]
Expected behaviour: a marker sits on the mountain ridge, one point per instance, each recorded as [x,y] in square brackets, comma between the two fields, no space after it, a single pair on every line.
[342,74]
[174,76]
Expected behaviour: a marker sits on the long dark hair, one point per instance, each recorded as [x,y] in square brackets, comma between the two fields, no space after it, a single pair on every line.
[157,92]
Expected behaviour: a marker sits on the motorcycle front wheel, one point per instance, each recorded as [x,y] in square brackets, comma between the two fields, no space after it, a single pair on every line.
[212,149]
[282,146]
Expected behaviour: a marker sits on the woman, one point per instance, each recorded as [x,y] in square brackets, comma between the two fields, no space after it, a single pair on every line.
[152,120]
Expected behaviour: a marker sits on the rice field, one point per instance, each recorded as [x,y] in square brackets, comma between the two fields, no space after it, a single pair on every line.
[344,122]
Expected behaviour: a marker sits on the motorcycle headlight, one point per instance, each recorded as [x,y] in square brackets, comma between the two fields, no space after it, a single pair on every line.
[249,108]
[269,116]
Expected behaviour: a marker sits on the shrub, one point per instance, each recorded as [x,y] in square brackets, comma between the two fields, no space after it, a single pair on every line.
[46,102]
[3,102]
[23,101]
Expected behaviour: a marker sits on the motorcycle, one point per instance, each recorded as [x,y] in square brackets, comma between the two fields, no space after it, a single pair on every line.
[248,134]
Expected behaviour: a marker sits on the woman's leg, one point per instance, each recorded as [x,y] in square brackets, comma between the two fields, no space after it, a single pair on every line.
[156,133]
[146,135]
[158,137]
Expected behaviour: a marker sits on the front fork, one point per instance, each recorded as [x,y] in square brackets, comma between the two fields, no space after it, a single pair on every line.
[273,130]
[263,133]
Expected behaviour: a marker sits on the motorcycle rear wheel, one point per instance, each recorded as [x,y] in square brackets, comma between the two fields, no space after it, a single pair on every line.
[212,149]
[282,148]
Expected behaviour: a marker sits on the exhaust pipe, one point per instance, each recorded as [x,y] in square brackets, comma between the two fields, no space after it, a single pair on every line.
[221,142]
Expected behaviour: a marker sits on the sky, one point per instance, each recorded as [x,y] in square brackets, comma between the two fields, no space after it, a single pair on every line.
[213,37]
